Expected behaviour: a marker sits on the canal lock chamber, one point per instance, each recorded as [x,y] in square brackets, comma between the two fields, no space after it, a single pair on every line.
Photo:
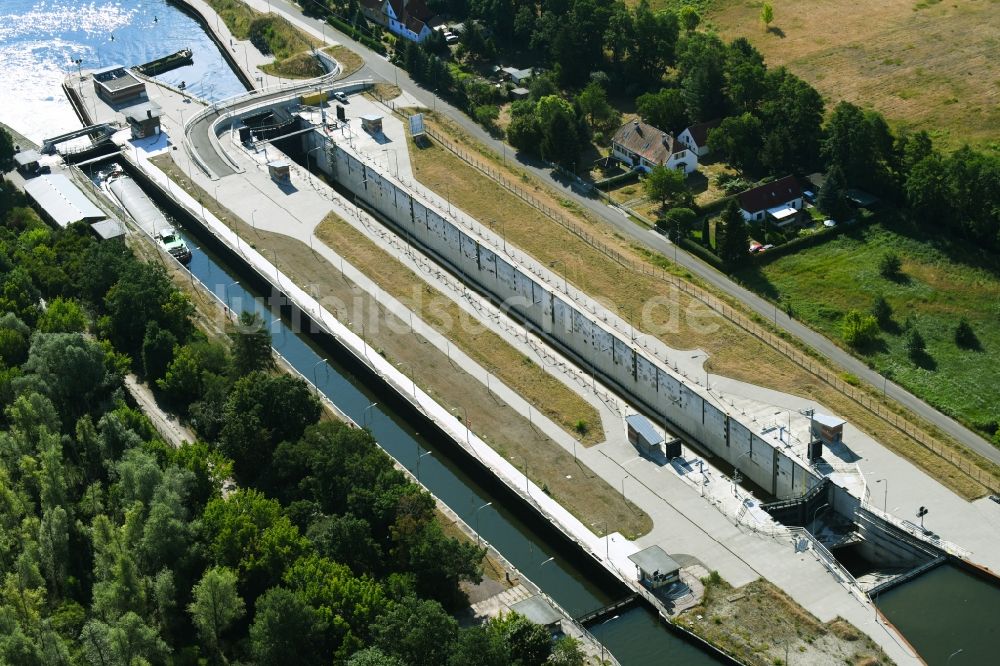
[575,579]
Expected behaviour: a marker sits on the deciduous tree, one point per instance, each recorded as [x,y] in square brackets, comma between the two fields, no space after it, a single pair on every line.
[664,184]
[215,606]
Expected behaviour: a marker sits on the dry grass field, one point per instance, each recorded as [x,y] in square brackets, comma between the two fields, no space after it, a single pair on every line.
[924,64]
[584,494]
[761,625]
[687,325]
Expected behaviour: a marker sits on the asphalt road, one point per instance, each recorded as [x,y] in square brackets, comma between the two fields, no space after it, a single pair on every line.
[378,66]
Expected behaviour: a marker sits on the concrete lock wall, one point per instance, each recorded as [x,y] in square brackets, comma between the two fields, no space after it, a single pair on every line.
[664,396]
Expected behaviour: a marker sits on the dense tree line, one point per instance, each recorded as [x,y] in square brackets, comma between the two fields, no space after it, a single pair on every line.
[276,536]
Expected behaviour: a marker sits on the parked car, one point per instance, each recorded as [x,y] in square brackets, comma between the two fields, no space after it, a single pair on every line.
[340,97]
[450,38]
[766,248]
[809,195]
[755,247]
[829,224]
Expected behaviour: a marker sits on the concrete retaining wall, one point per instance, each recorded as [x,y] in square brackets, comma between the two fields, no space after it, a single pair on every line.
[662,394]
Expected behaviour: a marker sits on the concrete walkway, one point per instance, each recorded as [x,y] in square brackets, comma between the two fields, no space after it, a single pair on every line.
[683,521]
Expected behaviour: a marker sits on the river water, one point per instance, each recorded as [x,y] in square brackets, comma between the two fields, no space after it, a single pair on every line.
[40,39]
[945,613]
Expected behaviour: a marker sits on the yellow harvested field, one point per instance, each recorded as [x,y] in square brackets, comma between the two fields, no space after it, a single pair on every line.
[924,64]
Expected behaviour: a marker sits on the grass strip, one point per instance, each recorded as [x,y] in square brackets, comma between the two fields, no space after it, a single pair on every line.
[274,35]
[684,323]
[552,397]
[578,489]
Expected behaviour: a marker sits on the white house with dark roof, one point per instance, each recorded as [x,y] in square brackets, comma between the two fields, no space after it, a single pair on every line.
[407,18]
[642,146]
[779,200]
[695,137]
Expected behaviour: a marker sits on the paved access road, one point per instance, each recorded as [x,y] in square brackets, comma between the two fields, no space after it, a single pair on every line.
[378,65]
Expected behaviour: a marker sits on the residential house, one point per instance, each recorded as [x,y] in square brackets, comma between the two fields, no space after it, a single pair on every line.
[696,137]
[779,201]
[642,146]
[407,18]
[517,76]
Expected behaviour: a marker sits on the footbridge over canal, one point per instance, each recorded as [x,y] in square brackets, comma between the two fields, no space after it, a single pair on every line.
[101,132]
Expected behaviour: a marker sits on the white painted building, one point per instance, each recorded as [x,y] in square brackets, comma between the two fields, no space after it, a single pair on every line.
[695,137]
[779,200]
[642,146]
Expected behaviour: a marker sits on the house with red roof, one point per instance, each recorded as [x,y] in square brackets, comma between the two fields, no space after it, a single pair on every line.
[407,18]
[778,201]
[695,137]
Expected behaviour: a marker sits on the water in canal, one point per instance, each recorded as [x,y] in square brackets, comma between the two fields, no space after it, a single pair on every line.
[37,41]
[40,39]
[636,637]
[947,613]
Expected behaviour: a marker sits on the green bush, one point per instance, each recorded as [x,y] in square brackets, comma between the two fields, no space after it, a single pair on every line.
[890,265]
[859,330]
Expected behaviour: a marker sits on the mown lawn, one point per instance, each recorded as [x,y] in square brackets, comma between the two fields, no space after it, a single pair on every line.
[941,282]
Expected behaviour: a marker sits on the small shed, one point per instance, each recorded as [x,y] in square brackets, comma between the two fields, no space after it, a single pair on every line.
[655,567]
[517,76]
[371,123]
[144,119]
[519,93]
[643,435]
[539,611]
[827,429]
[27,161]
[280,171]
[108,229]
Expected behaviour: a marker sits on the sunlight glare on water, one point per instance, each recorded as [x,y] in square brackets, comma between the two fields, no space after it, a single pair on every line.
[39,40]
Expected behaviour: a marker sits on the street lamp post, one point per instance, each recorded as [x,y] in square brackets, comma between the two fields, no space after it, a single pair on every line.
[315,381]
[226,292]
[552,265]
[308,152]
[816,513]
[736,470]
[364,415]
[465,414]
[885,495]
[420,457]
[476,515]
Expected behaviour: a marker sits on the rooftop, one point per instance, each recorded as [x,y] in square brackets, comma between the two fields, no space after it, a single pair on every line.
[62,200]
[108,229]
[770,195]
[144,111]
[651,143]
[26,157]
[654,559]
[827,420]
[116,77]
[699,131]
[645,429]
[538,610]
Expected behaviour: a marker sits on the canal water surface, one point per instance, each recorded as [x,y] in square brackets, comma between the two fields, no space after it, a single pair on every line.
[944,613]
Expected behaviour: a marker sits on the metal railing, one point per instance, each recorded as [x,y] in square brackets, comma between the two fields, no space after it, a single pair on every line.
[947,546]
[804,360]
